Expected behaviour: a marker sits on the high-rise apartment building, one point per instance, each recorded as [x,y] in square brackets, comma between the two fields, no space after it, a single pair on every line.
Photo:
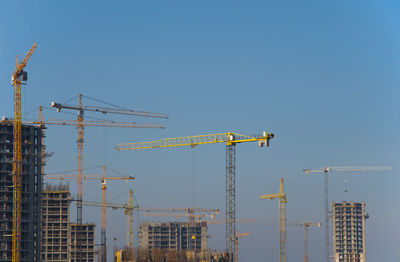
[82,242]
[191,236]
[55,223]
[30,191]
[348,227]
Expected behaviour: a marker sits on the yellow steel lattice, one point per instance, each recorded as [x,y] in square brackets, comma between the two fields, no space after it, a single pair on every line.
[228,138]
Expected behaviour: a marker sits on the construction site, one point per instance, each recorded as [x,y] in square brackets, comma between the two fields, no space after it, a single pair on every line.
[267,152]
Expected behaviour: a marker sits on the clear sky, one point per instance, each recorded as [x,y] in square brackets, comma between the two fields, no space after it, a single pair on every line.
[321,75]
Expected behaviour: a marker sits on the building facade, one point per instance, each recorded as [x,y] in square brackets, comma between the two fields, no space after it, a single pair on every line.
[348,227]
[32,146]
[55,223]
[82,242]
[191,236]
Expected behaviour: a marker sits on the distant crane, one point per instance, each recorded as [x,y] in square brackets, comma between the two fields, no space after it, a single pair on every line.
[282,219]
[18,77]
[305,226]
[237,235]
[214,222]
[103,179]
[230,139]
[325,171]
[193,213]
[79,140]
[221,221]
[128,211]
[200,216]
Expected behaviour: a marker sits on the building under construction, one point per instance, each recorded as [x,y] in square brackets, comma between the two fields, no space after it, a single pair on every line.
[82,242]
[55,223]
[191,236]
[30,191]
[348,226]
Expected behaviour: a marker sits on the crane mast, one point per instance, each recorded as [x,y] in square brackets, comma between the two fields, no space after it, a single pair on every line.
[79,147]
[282,219]
[129,221]
[230,139]
[325,171]
[17,78]
[103,256]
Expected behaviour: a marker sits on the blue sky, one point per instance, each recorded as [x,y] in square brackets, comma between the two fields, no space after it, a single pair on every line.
[322,76]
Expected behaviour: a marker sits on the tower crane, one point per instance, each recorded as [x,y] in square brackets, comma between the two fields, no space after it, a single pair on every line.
[18,77]
[282,219]
[215,222]
[306,226]
[325,171]
[231,140]
[237,235]
[103,179]
[79,136]
[128,211]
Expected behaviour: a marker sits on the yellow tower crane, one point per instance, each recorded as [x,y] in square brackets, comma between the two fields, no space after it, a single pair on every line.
[230,140]
[79,136]
[282,219]
[325,171]
[18,77]
[237,235]
[103,179]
